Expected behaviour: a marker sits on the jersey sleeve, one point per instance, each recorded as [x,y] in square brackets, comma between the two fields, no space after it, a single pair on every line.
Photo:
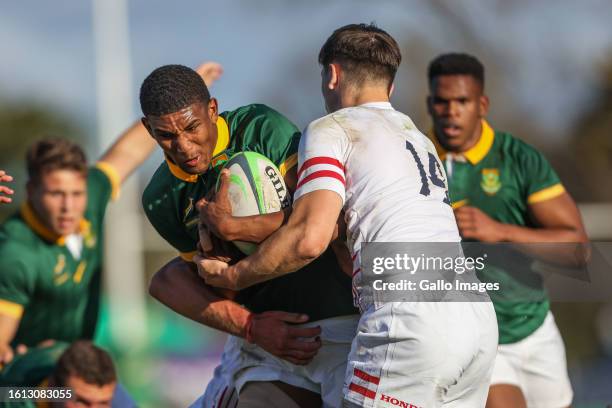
[16,279]
[33,367]
[541,181]
[102,186]
[162,213]
[322,155]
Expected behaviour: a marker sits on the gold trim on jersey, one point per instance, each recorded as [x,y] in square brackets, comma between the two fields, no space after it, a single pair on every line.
[113,175]
[188,256]
[288,164]
[546,194]
[32,220]
[11,309]
[223,136]
[459,204]
[477,152]
[221,145]
[78,274]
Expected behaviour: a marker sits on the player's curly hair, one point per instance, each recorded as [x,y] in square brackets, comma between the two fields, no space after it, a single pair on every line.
[86,361]
[171,88]
[456,64]
[54,154]
[365,52]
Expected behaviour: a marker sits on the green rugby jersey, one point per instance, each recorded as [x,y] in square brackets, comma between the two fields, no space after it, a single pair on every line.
[55,295]
[33,367]
[501,175]
[320,289]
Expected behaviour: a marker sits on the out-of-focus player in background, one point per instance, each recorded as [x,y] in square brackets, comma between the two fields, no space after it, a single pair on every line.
[504,190]
[268,360]
[84,370]
[5,192]
[51,250]
[365,157]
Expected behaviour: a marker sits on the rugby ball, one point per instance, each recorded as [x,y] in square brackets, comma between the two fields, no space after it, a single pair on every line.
[256,187]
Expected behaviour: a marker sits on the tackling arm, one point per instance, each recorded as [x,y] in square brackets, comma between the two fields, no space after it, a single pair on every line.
[178,286]
[302,239]
[216,214]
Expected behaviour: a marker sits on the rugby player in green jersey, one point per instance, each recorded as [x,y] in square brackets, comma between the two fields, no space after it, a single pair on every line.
[50,251]
[504,190]
[266,369]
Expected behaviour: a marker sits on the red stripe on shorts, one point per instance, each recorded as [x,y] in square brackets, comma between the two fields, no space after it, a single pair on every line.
[362,390]
[366,377]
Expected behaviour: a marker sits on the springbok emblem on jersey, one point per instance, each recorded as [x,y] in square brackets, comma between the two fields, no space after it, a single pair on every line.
[490,182]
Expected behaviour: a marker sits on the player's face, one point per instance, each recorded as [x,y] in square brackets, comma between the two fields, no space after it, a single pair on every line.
[89,395]
[457,105]
[188,137]
[60,199]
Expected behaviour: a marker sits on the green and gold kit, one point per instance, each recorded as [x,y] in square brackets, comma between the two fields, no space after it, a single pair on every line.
[34,367]
[55,295]
[501,175]
[320,289]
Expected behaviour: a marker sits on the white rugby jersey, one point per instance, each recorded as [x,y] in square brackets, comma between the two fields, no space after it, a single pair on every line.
[391,181]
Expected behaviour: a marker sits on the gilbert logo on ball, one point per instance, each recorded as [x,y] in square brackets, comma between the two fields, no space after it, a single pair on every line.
[256,187]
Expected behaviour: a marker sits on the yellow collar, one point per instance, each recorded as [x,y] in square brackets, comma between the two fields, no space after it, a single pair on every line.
[477,152]
[30,218]
[222,143]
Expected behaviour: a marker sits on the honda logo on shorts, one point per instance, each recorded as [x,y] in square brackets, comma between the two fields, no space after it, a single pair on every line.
[397,402]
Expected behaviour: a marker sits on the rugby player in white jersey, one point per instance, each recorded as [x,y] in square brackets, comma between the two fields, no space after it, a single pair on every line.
[367,159]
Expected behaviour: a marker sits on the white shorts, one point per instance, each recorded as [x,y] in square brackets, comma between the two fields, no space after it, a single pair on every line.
[422,355]
[537,366]
[243,362]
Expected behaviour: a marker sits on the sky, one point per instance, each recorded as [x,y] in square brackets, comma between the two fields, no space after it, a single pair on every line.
[545,53]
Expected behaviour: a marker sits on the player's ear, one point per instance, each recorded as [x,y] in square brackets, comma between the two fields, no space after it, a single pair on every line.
[429,103]
[213,110]
[484,105]
[147,125]
[391,89]
[332,76]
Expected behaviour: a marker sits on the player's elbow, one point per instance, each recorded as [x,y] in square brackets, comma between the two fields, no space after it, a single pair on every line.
[159,284]
[311,245]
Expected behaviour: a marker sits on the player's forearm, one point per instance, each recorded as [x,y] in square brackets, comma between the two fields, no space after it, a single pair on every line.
[553,245]
[289,249]
[130,150]
[255,228]
[516,233]
[179,287]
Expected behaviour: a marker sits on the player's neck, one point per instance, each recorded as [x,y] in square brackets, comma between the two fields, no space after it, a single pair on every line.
[473,140]
[364,95]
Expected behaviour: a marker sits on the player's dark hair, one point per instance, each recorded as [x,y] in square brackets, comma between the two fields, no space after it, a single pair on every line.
[54,154]
[365,52]
[456,64]
[86,361]
[171,88]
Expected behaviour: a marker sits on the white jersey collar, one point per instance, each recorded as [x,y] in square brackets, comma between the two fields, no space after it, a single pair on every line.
[378,105]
